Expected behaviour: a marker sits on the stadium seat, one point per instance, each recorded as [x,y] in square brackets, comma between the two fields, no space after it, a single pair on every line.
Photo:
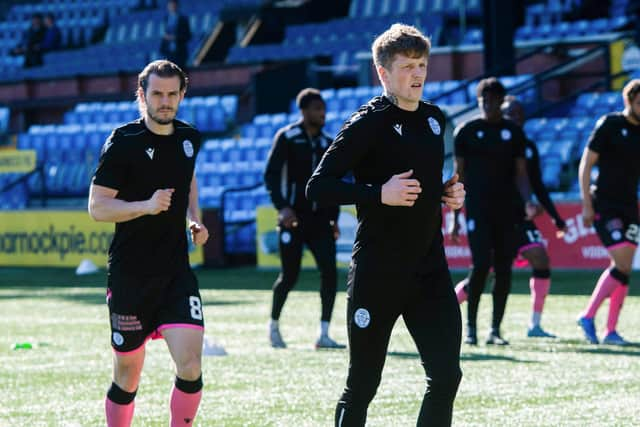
[14,198]
[551,168]
[473,36]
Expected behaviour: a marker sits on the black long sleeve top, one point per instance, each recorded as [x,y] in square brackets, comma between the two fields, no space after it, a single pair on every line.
[378,141]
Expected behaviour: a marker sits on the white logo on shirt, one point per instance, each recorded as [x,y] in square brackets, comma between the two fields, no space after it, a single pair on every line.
[471,224]
[362,317]
[398,128]
[188,148]
[528,153]
[149,152]
[434,125]
[285,237]
[624,131]
[505,134]
[480,134]
[616,235]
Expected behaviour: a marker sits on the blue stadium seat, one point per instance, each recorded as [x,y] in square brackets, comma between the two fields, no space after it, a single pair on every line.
[547,133]
[16,197]
[562,150]
[543,31]
[455,98]
[473,36]
[599,25]
[24,141]
[249,131]
[562,29]
[579,28]
[332,128]
[79,147]
[617,23]
[534,125]
[246,239]
[230,105]
[551,169]
[612,100]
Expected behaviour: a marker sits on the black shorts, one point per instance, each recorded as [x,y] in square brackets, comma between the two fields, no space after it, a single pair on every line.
[140,308]
[527,236]
[616,226]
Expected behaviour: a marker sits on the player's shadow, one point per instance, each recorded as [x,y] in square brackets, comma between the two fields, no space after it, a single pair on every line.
[563,283]
[472,357]
[627,350]
[579,346]
[80,297]
[97,297]
[217,301]
[576,345]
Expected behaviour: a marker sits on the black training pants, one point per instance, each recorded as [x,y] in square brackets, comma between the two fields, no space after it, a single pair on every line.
[317,234]
[431,313]
[491,239]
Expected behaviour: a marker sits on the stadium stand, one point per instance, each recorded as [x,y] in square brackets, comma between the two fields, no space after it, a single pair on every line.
[107,38]
[328,38]
[68,152]
[100,37]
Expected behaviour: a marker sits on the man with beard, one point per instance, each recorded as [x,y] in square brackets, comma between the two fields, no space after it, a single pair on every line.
[145,184]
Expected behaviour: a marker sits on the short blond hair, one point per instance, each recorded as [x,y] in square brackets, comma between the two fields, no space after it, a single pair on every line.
[399,38]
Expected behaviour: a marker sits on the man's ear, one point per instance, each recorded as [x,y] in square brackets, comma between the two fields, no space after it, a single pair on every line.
[140,95]
[383,75]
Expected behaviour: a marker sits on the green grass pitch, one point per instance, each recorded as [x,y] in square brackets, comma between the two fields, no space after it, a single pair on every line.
[62,381]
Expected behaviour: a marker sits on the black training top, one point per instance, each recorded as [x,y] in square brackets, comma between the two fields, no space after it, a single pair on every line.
[292,159]
[378,141]
[137,162]
[489,151]
[618,144]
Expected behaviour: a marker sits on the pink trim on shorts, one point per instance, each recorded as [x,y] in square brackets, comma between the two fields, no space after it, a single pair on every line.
[179,325]
[135,350]
[621,244]
[155,335]
[529,246]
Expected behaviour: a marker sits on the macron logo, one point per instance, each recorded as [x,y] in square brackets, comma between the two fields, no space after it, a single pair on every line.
[149,152]
[398,128]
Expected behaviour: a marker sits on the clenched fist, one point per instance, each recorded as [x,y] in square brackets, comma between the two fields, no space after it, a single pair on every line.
[160,201]
[399,190]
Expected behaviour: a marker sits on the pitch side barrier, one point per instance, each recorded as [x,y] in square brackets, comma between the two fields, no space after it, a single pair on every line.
[57,239]
[578,248]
